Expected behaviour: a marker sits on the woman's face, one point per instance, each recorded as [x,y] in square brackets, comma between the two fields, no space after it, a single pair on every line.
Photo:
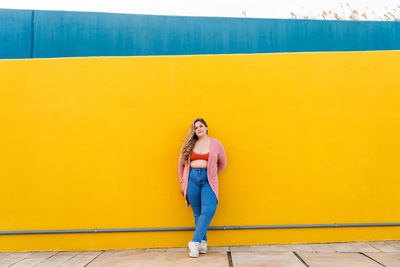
[200,129]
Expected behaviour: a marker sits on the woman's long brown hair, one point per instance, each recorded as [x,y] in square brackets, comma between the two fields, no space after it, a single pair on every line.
[191,139]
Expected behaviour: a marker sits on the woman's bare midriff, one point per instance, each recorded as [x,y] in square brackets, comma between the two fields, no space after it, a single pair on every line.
[198,163]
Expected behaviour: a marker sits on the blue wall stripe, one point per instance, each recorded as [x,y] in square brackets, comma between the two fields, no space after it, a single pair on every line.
[80,34]
[32,32]
[15,33]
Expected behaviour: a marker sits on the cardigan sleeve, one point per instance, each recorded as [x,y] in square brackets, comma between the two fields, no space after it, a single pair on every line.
[181,166]
[221,158]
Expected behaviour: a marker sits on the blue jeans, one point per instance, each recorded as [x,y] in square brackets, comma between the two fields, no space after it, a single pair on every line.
[203,202]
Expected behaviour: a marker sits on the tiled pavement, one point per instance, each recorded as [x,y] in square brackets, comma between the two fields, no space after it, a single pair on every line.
[362,254]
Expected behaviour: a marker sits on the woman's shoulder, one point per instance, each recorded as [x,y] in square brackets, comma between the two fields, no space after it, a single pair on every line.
[216,141]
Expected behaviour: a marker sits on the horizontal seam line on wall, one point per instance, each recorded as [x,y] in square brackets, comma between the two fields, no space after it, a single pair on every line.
[160,229]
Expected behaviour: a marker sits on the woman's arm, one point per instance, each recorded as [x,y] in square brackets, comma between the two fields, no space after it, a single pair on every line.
[221,158]
[181,166]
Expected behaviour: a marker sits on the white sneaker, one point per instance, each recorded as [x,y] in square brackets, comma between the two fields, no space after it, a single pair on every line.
[194,249]
[203,247]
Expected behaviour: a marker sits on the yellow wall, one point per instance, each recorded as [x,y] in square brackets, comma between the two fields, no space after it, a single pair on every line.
[311,138]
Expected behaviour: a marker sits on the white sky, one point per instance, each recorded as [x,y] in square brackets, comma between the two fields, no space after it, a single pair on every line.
[374,9]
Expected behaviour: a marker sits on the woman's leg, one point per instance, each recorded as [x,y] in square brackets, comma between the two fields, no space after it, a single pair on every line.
[196,218]
[208,208]
[194,194]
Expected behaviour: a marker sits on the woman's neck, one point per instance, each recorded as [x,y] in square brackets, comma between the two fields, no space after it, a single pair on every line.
[203,138]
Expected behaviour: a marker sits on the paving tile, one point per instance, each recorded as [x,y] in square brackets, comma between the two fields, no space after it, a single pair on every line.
[156,249]
[110,255]
[363,247]
[265,258]
[217,249]
[261,248]
[240,248]
[35,258]
[383,247]
[3,254]
[280,247]
[178,249]
[389,259]
[136,250]
[394,243]
[322,247]
[82,258]
[319,259]
[57,259]
[14,257]
[301,247]
[343,247]
[163,259]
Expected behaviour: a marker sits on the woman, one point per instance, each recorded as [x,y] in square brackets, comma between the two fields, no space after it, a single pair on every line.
[201,159]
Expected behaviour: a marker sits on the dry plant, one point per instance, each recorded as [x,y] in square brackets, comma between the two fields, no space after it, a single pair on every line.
[346,12]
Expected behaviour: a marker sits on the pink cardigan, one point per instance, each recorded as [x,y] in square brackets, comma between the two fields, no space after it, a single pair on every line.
[216,163]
